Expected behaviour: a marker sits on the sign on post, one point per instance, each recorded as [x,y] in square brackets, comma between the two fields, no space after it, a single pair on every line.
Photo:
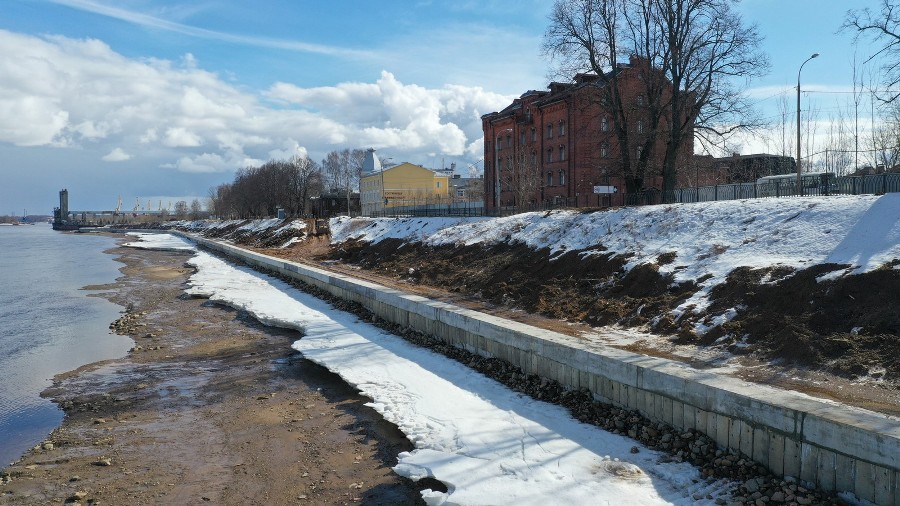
[605,189]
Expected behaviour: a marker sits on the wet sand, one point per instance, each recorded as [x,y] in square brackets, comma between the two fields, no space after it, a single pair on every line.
[209,407]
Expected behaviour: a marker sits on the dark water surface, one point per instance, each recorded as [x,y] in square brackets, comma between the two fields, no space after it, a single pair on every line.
[48,324]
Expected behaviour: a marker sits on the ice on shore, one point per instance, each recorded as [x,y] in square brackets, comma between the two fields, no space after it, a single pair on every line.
[488,444]
[160,241]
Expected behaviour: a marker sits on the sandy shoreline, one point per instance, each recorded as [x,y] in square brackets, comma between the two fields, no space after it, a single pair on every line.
[209,406]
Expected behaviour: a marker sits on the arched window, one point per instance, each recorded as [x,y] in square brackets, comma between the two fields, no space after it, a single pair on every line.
[549,179]
[604,124]
[549,130]
[562,178]
[562,153]
[499,143]
[562,128]
[533,135]
[604,150]
[640,126]
[549,154]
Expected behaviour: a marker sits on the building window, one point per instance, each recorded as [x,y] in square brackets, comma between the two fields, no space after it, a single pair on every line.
[550,154]
[522,138]
[562,153]
[640,100]
[533,159]
[604,124]
[640,150]
[604,150]
[437,184]
[562,178]
[550,131]
[460,193]
[533,135]
[640,126]
[549,179]
[499,143]
[509,141]
[562,128]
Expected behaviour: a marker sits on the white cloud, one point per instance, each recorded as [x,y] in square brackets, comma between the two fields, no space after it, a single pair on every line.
[81,94]
[213,162]
[116,155]
[179,137]
[402,117]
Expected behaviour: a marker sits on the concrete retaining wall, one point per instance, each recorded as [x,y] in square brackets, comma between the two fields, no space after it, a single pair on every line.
[834,447]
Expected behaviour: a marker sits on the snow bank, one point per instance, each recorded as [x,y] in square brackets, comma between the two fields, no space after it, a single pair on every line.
[167,242]
[709,239]
[488,444]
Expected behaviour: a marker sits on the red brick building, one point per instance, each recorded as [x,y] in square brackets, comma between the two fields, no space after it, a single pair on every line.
[556,146]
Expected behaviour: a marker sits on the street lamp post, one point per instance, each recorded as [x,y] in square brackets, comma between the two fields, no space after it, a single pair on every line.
[799,185]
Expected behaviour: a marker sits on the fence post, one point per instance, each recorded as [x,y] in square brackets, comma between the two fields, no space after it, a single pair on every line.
[716,193]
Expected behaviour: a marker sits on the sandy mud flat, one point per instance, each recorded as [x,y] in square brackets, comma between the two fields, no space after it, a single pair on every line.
[209,407]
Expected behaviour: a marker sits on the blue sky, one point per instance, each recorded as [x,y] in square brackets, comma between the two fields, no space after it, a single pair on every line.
[162,100]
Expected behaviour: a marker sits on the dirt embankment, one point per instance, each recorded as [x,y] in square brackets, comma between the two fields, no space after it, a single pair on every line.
[847,326]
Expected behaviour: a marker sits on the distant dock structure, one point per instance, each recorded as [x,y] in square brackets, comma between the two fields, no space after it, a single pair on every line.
[65,219]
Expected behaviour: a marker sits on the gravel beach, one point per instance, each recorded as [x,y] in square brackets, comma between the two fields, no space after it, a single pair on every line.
[209,406]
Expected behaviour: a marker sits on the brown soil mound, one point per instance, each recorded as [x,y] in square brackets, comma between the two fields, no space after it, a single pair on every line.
[847,326]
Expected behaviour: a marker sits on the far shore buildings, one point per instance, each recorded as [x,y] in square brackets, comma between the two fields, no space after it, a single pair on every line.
[565,138]
[405,184]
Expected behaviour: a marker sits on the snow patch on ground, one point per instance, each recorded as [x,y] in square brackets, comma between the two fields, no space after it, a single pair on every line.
[709,239]
[167,242]
[488,444]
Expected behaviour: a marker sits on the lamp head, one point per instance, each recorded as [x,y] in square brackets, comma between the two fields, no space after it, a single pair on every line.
[815,55]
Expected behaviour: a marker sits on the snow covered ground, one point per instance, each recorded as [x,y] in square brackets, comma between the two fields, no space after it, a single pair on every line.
[709,239]
[166,242]
[488,444]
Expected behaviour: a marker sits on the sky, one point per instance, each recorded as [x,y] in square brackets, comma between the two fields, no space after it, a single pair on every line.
[161,100]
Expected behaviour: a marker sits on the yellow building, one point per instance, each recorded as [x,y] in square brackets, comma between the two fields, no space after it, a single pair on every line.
[402,185]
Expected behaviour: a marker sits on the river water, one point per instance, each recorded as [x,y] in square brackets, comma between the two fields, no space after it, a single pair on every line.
[48,324]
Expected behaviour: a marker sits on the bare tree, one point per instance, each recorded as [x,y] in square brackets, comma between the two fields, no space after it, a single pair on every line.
[195,209]
[883,28]
[305,182]
[886,140]
[525,178]
[697,52]
[181,209]
[343,170]
[838,145]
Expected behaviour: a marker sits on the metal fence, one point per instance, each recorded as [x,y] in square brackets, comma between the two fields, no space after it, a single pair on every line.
[819,185]
[823,185]
[426,208]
